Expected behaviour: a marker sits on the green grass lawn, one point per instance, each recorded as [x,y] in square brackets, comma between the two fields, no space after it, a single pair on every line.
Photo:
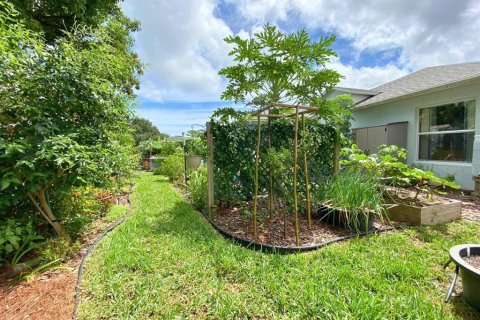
[166,262]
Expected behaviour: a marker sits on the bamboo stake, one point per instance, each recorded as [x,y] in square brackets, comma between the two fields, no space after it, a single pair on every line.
[295,158]
[305,170]
[270,194]
[336,153]
[257,157]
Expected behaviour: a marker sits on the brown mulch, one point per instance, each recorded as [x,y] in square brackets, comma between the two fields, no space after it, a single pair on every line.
[51,294]
[473,260]
[271,231]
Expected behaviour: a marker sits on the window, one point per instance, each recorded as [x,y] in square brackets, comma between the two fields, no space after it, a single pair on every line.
[446,132]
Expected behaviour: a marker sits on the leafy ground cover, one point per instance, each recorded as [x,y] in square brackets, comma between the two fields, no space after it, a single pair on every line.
[165,261]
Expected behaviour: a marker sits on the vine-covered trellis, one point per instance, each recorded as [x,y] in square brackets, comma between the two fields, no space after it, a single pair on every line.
[261,156]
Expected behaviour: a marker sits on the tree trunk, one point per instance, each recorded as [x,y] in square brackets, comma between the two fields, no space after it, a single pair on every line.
[40,201]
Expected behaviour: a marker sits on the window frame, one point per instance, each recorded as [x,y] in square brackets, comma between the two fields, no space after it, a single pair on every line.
[419,134]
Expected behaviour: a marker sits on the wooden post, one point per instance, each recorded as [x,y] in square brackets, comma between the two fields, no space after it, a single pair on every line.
[257,158]
[295,159]
[270,193]
[305,170]
[336,153]
[210,170]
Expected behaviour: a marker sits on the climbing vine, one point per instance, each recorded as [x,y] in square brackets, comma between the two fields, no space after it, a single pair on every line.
[234,157]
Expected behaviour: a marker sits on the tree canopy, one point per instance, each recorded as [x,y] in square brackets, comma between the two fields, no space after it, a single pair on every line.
[65,109]
[53,17]
[144,130]
[276,67]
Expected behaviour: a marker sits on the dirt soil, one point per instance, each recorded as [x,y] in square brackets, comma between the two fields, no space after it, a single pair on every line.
[271,230]
[473,260]
[49,295]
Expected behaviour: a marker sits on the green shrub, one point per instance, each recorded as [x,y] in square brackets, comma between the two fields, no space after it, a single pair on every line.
[198,187]
[388,165]
[59,249]
[79,207]
[16,239]
[172,167]
[196,147]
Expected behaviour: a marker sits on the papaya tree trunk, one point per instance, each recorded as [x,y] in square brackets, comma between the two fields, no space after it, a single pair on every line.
[39,200]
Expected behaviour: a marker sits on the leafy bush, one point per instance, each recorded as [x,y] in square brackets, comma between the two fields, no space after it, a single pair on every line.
[81,206]
[59,249]
[198,187]
[16,239]
[196,147]
[172,167]
[388,165]
[70,102]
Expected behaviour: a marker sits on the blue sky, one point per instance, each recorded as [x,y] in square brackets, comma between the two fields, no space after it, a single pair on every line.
[377,41]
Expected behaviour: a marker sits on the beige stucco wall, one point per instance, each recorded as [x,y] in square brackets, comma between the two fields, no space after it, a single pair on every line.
[407,110]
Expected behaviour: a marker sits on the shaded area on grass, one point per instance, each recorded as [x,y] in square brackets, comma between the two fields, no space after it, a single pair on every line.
[166,262]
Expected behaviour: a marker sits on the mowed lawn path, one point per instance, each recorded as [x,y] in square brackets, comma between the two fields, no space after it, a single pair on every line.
[166,262]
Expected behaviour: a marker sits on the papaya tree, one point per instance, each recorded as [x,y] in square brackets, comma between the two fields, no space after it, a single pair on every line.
[65,109]
[273,67]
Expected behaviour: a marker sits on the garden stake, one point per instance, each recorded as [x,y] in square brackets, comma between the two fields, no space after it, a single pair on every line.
[257,156]
[295,158]
[336,152]
[305,170]
[270,194]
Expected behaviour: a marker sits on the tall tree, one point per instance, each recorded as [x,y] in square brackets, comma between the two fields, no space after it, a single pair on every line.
[144,130]
[65,109]
[54,17]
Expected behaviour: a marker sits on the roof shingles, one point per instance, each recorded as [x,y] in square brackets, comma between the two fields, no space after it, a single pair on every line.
[422,80]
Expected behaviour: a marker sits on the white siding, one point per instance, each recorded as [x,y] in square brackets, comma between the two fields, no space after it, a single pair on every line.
[407,110]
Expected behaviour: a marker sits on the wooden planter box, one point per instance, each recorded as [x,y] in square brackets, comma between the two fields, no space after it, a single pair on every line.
[440,211]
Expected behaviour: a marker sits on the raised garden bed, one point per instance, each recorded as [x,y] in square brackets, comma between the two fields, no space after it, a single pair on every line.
[424,211]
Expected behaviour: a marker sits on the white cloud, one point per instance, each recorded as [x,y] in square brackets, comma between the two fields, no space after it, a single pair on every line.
[428,32]
[366,77]
[182,43]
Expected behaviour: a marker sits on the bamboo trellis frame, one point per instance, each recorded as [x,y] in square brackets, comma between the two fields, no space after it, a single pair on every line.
[264,113]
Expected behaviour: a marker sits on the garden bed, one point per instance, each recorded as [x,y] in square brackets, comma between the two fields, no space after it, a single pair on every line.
[271,230]
[422,210]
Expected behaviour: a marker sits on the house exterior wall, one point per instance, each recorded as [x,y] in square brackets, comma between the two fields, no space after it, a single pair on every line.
[407,110]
